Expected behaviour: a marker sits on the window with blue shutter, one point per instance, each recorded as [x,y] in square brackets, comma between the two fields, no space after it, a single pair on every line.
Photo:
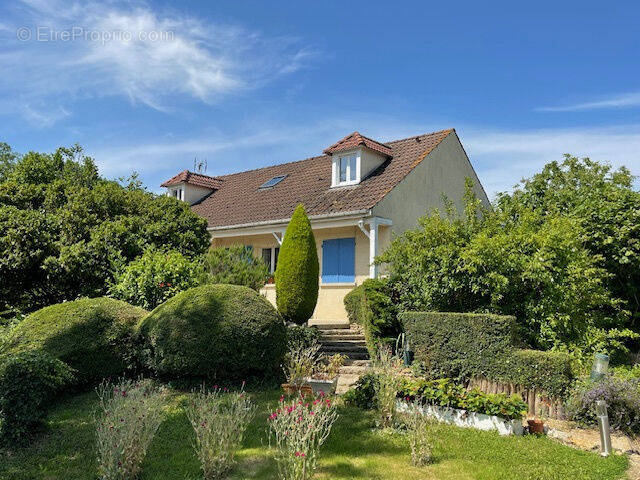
[339,260]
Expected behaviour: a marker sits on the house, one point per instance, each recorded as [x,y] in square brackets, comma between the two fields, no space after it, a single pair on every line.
[358,195]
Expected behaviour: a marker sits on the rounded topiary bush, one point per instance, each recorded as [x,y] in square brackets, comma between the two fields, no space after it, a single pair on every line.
[94,336]
[215,332]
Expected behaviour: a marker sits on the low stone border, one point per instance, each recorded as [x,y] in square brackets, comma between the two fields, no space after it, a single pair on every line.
[464,418]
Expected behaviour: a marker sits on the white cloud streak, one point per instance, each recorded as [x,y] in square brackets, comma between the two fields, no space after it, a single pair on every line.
[120,49]
[627,100]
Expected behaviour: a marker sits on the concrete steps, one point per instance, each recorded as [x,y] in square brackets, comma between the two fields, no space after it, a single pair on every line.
[350,342]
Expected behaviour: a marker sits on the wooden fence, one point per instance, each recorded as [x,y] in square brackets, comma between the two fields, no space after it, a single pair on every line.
[537,400]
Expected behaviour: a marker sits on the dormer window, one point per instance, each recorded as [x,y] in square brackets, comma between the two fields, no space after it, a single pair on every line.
[348,169]
[176,193]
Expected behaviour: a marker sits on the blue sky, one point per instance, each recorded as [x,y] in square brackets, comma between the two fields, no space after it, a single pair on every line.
[150,86]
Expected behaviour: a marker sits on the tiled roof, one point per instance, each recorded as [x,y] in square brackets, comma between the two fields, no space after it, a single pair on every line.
[355,140]
[194,179]
[240,201]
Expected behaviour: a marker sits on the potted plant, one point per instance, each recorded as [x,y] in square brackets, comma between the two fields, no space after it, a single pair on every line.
[298,367]
[536,424]
[325,376]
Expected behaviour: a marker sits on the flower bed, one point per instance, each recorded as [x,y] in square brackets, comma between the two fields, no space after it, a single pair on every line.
[451,403]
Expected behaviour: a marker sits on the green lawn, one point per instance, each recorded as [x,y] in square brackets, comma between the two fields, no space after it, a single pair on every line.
[354,451]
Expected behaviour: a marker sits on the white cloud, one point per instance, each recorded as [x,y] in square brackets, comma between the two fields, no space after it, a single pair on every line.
[501,157]
[626,100]
[82,50]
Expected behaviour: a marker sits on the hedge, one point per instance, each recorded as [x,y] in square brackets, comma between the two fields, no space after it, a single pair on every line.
[28,383]
[371,306]
[465,345]
[297,273]
[215,332]
[94,336]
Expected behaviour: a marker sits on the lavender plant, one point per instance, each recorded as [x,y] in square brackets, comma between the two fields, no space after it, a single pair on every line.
[129,415]
[387,368]
[219,419]
[420,435]
[621,395]
[298,429]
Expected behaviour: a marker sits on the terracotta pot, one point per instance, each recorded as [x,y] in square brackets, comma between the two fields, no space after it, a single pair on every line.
[304,390]
[536,426]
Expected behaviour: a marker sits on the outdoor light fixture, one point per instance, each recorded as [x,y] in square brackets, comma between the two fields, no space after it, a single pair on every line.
[600,366]
[603,425]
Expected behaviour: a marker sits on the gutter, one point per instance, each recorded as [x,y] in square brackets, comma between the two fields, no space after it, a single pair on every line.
[283,221]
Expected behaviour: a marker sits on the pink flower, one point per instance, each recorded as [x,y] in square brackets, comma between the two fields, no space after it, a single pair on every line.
[282,398]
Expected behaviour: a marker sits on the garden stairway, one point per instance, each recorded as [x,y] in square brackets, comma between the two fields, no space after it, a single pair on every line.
[351,343]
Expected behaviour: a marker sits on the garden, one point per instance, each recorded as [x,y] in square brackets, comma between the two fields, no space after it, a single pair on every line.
[129,349]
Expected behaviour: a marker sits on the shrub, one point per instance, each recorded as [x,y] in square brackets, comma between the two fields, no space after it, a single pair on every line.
[445,393]
[298,430]
[96,336]
[297,271]
[302,336]
[129,416]
[219,421]
[420,433]
[462,346]
[363,394]
[387,369]
[28,383]
[299,363]
[215,331]
[236,265]
[371,306]
[155,277]
[621,395]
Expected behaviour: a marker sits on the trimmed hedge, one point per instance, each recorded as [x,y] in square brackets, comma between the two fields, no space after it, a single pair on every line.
[28,383]
[298,270]
[371,306]
[465,345]
[94,336]
[215,332]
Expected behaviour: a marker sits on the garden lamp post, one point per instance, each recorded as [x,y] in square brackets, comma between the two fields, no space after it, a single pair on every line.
[598,371]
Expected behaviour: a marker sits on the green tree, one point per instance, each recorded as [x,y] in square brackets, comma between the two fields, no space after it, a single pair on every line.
[157,276]
[297,271]
[8,158]
[65,231]
[511,262]
[236,265]
[603,202]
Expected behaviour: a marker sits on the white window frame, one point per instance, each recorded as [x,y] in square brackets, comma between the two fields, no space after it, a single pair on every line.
[177,192]
[272,267]
[337,160]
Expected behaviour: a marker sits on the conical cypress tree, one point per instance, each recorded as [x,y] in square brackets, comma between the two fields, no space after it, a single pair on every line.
[297,270]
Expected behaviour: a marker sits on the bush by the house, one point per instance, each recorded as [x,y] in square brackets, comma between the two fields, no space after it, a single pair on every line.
[445,393]
[65,231]
[95,336]
[215,331]
[28,383]
[371,306]
[363,393]
[155,277]
[520,262]
[463,346]
[236,265]
[621,395]
[297,271]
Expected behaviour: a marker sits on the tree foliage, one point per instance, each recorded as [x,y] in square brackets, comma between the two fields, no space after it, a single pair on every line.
[65,231]
[297,271]
[511,261]
[236,265]
[603,203]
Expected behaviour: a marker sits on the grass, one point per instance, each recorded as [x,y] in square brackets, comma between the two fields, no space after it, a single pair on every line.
[354,451]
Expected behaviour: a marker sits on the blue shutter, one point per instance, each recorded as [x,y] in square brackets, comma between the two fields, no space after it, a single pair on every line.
[338,260]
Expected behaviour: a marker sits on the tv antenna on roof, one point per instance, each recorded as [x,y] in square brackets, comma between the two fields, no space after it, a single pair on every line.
[200,166]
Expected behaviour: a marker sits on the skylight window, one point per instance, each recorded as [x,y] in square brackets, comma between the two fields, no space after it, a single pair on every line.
[273,182]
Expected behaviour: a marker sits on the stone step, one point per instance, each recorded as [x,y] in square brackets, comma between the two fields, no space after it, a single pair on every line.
[341,338]
[353,370]
[350,355]
[343,349]
[345,382]
[340,343]
[340,331]
[332,326]
[357,363]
